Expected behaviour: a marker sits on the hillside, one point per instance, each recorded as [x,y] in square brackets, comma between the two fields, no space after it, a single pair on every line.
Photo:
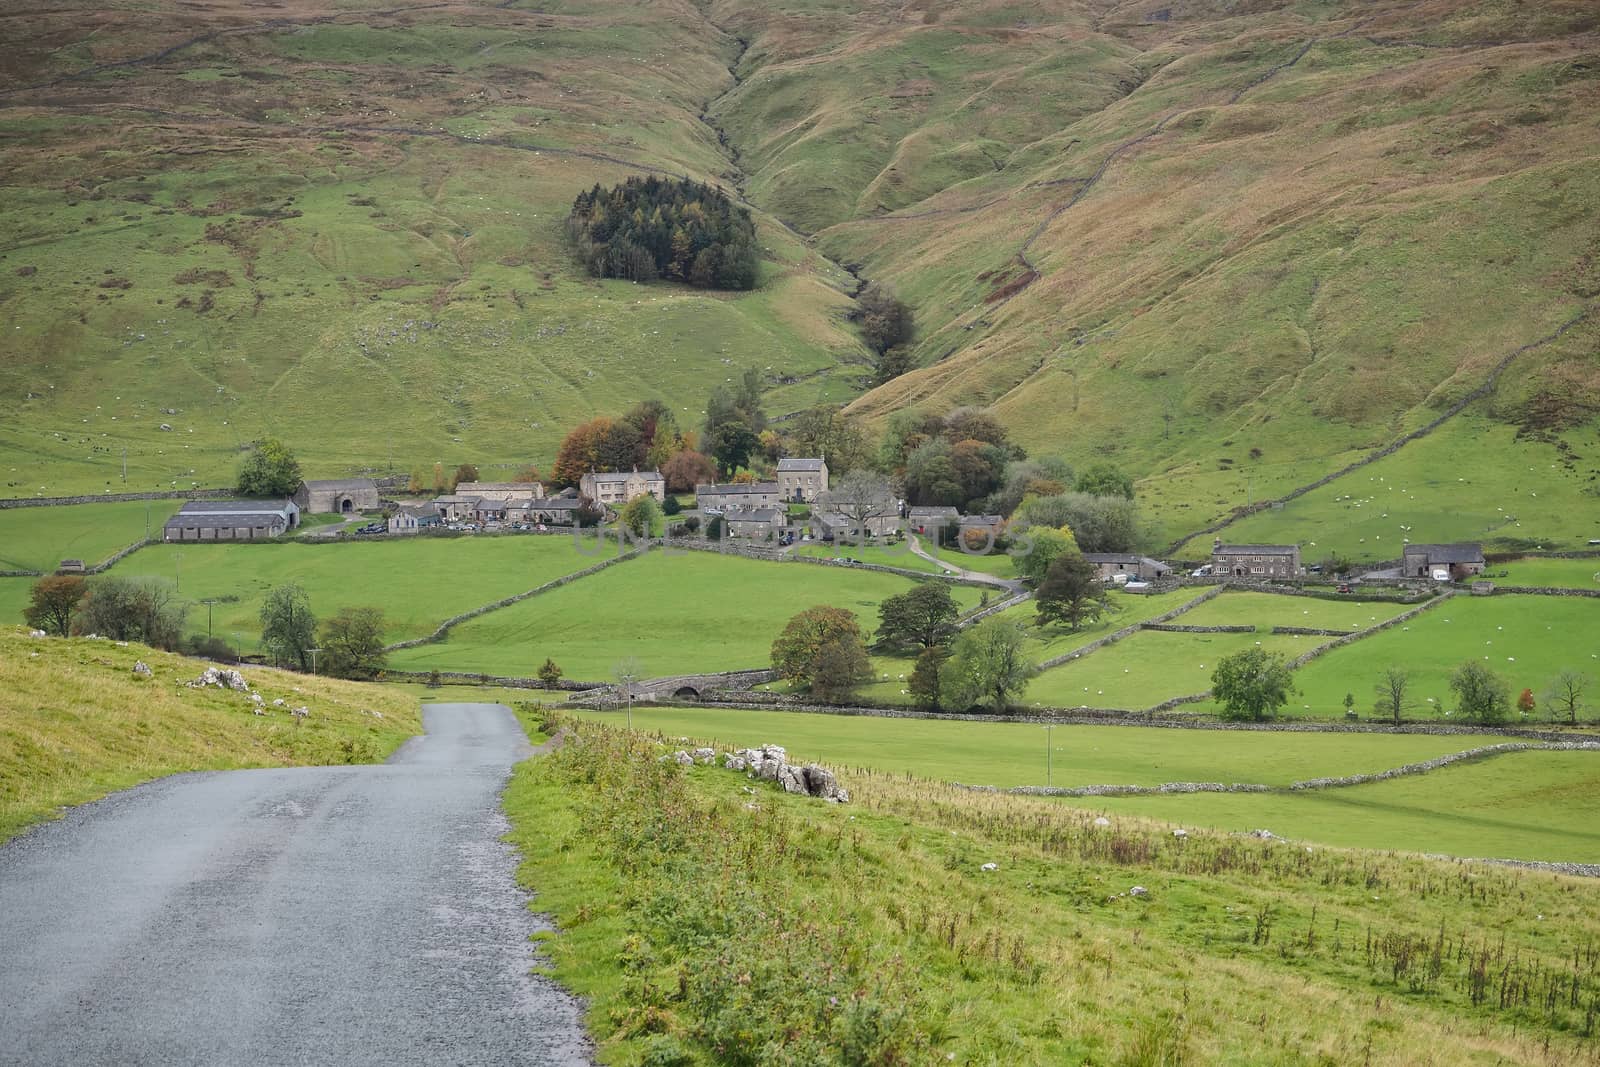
[1231,247]
[77,723]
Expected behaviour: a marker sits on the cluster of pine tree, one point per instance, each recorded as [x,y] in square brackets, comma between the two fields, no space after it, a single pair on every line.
[649,228]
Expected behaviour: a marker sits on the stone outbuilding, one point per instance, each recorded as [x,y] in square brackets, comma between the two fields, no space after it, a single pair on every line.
[231,520]
[754,524]
[1257,562]
[1135,567]
[416,519]
[342,496]
[801,480]
[932,521]
[1458,562]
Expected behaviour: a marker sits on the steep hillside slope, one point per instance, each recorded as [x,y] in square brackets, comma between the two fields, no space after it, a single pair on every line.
[1301,231]
[345,227]
[1230,246]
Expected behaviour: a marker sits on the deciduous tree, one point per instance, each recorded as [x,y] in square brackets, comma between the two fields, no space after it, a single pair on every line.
[53,601]
[1103,479]
[989,663]
[795,652]
[926,685]
[1251,685]
[1481,695]
[687,469]
[1394,693]
[269,470]
[639,515]
[130,610]
[352,644]
[1037,547]
[924,615]
[886,320]
[288,627]
[1566,697]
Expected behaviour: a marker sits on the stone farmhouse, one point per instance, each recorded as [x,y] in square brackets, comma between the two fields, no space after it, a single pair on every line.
[1459,561]
[619,487]
[755,524]
[737,495]
[833,526]
[415,519]
[1260,562]
[801,480]
[231,520]
[344,496]
[1137,568]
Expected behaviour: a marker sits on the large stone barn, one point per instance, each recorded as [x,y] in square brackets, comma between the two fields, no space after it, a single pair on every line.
[342,496]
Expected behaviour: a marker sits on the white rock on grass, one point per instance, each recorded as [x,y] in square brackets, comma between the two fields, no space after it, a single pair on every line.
[37,633]
[141,669]
[222,678]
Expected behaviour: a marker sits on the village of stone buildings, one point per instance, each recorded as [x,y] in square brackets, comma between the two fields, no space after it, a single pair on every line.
[796,507]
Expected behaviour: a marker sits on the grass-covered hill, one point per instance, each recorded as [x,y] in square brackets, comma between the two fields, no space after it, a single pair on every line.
[77,722]
[1231,247]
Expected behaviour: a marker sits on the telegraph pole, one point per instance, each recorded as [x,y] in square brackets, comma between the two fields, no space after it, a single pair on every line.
[313,652]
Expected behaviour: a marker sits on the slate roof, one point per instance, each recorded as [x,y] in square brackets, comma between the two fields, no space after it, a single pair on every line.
[1465,552]
[236,507]
[1255,550]
[337,484]
[754,515]
[622,476]
[738,489]
[934,513]
[223,520]
[799,464]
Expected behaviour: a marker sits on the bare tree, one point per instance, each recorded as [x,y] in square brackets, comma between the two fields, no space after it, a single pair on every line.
[628,671]
[858,498]
[1393,691]
[1565,697]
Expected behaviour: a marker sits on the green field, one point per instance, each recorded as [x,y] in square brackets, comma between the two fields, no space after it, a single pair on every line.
[1008,754]
[418,582]
[38,539]
[1524,805]
[13,598]
[1517,493]
[1526,640]
[681,613]
[884,555]
[1148,668]
[1266,610]
[1555,573]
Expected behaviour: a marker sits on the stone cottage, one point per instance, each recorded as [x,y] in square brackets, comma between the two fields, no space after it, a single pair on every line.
[801,480]
[1258,562]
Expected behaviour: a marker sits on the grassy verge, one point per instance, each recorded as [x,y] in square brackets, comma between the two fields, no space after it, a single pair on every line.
[708,919]
[76,723]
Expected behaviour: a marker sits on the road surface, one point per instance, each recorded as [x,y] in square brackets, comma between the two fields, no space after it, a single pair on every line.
[319,915]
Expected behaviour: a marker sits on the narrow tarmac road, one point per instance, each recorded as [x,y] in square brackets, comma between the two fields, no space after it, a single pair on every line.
[318,915]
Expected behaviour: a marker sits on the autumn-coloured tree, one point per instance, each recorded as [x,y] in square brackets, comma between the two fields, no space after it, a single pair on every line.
[687,469]
[601,444]
[53,601]
[1525,702]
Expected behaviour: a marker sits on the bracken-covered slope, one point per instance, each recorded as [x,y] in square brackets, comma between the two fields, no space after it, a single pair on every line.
[1284,235]
[1232,247]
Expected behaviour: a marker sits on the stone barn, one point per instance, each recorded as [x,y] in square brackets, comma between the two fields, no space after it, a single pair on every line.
[343,496]
[231,520]
[1459,561]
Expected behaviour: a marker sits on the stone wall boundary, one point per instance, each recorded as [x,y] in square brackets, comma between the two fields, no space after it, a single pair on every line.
[1340,642]
[1129,631]
[110,498]
[1542,590]
[1170,788]
[1482,390]
[1167,628]
[456,620]
[1310,631]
